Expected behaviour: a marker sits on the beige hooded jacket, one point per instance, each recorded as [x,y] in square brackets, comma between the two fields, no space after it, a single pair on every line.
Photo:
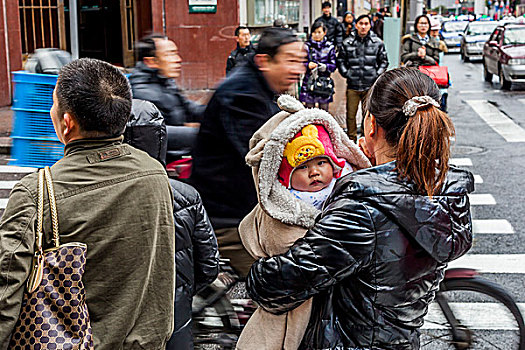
[279,219]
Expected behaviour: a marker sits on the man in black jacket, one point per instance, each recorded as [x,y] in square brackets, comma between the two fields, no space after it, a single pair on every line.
[334,29]
[240,106]
[361,60]
[242,52]
[153,79]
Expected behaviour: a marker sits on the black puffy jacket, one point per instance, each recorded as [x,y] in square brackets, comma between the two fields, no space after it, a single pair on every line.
[196,259]
[238,57]
[380,248]
[334,29]
[362,60]
[147,84]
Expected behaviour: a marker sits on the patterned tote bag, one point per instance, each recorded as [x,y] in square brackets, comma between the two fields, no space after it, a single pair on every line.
[54,314]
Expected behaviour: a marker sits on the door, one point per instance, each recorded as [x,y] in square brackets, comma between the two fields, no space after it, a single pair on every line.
[491,53]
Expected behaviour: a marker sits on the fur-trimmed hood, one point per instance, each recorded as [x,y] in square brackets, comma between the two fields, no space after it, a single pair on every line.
[266,153]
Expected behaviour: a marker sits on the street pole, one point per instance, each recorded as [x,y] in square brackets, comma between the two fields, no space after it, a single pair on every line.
[73,28]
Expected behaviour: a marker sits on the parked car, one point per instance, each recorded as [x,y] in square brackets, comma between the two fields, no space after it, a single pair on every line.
[451,33]
[474,37]
[504,55]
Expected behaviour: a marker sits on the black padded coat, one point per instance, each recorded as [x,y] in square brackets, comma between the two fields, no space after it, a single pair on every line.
[362,60]
[196,259]
[380,250]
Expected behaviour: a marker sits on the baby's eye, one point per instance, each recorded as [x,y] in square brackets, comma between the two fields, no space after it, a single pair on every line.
[322,162]
[301,167]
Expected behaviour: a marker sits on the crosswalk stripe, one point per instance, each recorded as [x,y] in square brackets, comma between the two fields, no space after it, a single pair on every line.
[498,121]
[481,199]
[478,179]
[489,316]
[3,203]
[497,226]
[7,185]
[16,169]
[461,161]
[492,263]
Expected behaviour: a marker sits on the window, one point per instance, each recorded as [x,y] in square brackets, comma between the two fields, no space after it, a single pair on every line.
[266,11]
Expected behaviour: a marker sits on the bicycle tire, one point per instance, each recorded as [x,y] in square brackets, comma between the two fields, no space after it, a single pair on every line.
[482,287]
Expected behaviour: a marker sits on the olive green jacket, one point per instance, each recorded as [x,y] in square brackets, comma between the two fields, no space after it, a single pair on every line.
[118,201]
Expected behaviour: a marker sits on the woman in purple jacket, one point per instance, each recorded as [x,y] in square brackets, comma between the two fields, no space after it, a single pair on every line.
[321,61]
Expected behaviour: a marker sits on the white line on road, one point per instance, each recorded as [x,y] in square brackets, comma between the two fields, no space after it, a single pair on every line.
[478,91]
[482,199]
[3,203]
[7,185]
[498,121]
[492,263]
[498,226]
[490,316]
[478,179]
[522,100]
[16,169]
[460,161]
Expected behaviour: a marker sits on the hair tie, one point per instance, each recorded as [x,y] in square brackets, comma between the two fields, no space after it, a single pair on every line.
[411,106]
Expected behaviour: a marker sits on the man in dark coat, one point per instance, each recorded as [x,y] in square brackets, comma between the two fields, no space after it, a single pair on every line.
[361,60]
[378,24]
[334,29]
[240,106]
[153,79]
[242,52]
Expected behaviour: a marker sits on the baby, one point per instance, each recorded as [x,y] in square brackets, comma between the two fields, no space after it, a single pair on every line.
[296,158]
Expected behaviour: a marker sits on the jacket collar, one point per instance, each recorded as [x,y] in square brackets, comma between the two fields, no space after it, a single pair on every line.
[264,84]
[93,143]
[144,74]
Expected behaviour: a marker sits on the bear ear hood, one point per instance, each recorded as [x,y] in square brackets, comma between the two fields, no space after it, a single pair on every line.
[266,153]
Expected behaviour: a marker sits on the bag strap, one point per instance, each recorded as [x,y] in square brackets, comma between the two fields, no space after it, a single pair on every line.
[35,276]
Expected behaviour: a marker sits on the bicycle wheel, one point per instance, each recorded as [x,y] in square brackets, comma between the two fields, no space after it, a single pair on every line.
[488,315]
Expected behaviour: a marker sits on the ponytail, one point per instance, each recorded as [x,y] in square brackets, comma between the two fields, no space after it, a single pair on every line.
[423,150]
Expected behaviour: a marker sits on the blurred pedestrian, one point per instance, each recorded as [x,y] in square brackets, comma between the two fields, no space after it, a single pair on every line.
[420,49]
[361,60]
[153,79]
[375,256]
[348,24]
[334,29]
[280,23]
[240,106]
[435,27]
[242,52]
[292,187]
[321,63]
[378,24]
[110,196]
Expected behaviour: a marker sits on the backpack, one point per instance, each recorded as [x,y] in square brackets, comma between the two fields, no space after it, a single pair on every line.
[47,61]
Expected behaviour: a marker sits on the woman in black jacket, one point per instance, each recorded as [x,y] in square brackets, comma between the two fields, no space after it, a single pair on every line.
[375,257]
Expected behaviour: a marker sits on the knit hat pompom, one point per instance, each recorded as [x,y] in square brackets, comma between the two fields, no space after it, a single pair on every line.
[311,142]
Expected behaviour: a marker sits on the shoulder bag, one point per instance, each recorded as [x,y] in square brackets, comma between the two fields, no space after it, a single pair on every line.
[54,314]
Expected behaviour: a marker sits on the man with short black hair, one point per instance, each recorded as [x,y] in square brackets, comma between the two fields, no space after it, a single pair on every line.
[110,196]
[361,60]
[153,79]
[242,52]
[334,29]
[240,106]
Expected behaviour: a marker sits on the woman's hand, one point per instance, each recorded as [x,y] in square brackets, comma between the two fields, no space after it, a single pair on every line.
[361,142]
[422,52]
[312,65]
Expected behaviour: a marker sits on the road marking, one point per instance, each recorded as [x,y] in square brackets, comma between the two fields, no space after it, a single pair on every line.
[7,185]
[522,100]
[493,316]
[3,203]
[499,226]
[492,263]
[479,91]
[482,199]
[16,169]
[478,179]
[498,121]
[460,161]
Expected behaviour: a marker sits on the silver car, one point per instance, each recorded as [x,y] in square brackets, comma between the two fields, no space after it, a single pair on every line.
[474,38]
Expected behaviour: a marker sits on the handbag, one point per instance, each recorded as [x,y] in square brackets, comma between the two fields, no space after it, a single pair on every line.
[438,73]
[54,314]
[321,86]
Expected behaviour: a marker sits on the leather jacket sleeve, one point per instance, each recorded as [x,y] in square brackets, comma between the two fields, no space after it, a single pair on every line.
[194,110]
[17,239]
[340,244]
[341,62]
[339,36]
[205,249]
[382,59]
